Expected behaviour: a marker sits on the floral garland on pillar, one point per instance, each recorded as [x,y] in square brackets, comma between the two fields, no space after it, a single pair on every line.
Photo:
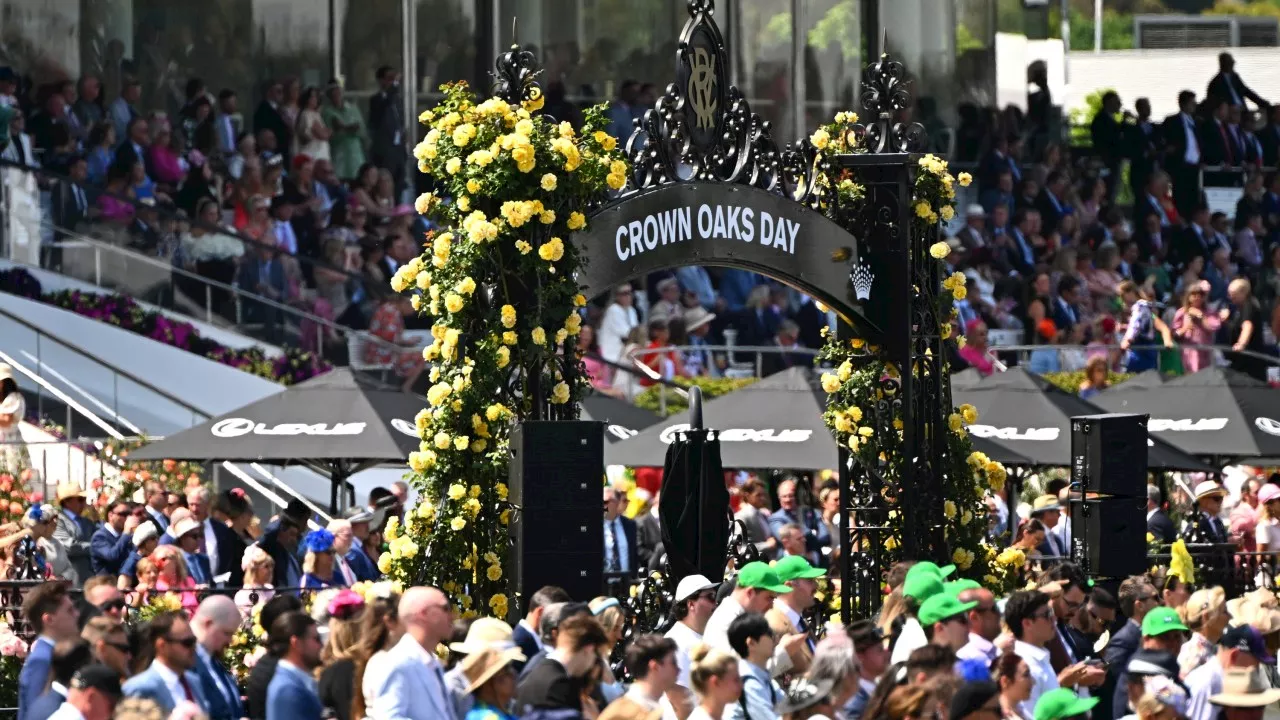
[861,411]
[498,284]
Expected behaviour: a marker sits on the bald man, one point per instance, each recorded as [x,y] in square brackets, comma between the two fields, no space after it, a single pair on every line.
[413,687]
[214,624]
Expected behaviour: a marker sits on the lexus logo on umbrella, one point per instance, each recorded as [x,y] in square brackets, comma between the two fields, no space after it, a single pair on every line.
[1048,434]
[1187,424]
[405,427]
[1267,425]
[744,434]
[238,427]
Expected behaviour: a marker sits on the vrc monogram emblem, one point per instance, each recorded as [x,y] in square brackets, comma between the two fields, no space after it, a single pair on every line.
[702,86]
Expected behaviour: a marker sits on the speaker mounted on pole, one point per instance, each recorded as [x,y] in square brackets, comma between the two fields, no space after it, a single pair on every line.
[1108,494]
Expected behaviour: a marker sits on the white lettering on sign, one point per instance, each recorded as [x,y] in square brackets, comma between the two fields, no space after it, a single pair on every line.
[405,427]
[1186,424]
[237,427]
[1267,425]
[620,432]
[796,435]
[712,222]
[1039,434]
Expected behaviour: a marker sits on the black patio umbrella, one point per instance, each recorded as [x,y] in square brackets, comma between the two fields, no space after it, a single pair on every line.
[1144,379]
[1218,413]
[773,423]
[966,378]
[1031,416]
[621,419]
[337,423]
[694,508]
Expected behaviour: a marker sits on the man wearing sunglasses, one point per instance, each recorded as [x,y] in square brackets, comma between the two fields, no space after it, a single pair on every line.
[169,680]
[101,594]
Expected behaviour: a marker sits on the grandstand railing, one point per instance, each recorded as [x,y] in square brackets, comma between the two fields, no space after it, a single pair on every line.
[1073,357]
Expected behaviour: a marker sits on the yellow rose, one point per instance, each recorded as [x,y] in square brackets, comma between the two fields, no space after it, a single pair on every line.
[969,413]
[560,393]
[552,250]
[579,300]
[939,250]
[478,446]
[539,336]
[508,316]
[820,138]
[473,186]
[830,383]
[466,286]
[457,492]
[955,422]
[424,202]
[384,563]
[949,509]
[453,302]
[523,247]
[922,209]
[509,338]
[457,524]
[438,393]
[947,212]
[443,440]
[461,442]
[576,221]
[965,178]
[494,573]
[453,166]
[422,460]
[504,356]
[615,181]
[548,182]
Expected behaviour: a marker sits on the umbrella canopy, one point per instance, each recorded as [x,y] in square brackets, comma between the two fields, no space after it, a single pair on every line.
[1144,379]
[337,416]
[774,423]
[966,378]
[621,419]
[1215,413]
[1031,416]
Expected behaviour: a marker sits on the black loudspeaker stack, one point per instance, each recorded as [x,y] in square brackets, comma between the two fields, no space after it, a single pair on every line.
[1109,494]
[556,476]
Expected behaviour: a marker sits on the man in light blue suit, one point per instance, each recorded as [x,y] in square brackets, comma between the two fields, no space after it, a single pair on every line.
[214,624]
[292,694]
[169,680]
[410,682]
[52,614]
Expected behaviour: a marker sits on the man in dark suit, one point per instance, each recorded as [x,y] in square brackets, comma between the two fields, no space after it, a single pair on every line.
[156,501]
[113,541]
[787,341]
[555,682]
[1052,202]
[621,549]
[214,624]
[527,634]
[1108,139]
[71,202]
[268,117]
[280,541]
[386,126]
[1070,646]
[1182,154]
[1205,526]
[219,543]
[1137,597]
[263,274]
[1220,148]
[1228,86]
[1158,522]
[790,511]
[1142,146]
[1269,136]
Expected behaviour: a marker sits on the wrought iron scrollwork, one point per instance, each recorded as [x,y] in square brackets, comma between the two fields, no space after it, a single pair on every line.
[515,76]
[885,92]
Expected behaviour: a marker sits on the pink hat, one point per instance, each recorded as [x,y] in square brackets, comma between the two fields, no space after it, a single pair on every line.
[1268,493]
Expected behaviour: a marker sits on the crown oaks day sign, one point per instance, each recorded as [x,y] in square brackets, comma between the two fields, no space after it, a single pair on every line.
[719,224]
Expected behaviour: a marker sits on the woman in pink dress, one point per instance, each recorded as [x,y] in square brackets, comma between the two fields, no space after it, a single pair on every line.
[974,351]
[173,576]
[1194,324]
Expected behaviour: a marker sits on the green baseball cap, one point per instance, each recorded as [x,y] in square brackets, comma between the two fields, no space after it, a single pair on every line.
[1062,703]
[925,566]
[1160,621]
[761,577]
[792,567]
[922,587]
[942,606]
[955,587]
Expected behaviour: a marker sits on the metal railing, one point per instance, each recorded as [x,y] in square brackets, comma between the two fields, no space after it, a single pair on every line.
[1073,357]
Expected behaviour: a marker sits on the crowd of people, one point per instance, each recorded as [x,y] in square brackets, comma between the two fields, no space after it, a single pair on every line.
[1049,252]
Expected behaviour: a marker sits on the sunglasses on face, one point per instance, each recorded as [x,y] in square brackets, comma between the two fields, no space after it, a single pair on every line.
[186,642]
[120,647]
[112,605]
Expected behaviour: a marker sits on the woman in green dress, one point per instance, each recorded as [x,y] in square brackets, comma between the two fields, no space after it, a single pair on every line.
[346,145]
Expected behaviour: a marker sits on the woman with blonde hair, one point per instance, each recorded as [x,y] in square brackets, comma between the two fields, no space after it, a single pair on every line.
[174,576]
[318,564]
[147,573]
[714,676]
[336,674]
[608,612]
[258,568]
[47,553]
[1205,612]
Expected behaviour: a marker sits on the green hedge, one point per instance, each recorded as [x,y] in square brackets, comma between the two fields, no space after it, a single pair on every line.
[650,398]
[1070,381]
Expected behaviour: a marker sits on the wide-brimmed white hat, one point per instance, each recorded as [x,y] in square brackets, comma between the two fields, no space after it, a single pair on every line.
[185,526]
[1245,688]
[485,634]
[1209,488]
[480,667]
[697,316]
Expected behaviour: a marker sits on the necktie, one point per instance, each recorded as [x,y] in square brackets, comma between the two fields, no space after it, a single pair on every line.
[186,687]
[204,549]
[804,628]
[615,555]
[1218,530]
[1226,145]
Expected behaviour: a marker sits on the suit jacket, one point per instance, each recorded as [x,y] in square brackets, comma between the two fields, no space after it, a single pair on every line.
[257,684]
[69,207]
[1161,526]
[816,536]
[198,566]
[1217,147]
[230,550]
[1107,137]
[267,117]
[270,543]
[251,274]
[527,643]
[1124,643]
[648,536]
[361,564]
[34,676]
[1220,87]
[412,690]
[108,551]
[633,546]
[1269,136]
[548,687]
[292,694]
[214,680]
[386,131]
[46,705]
[1175,140]
[781,625]
[159,520]
[148,684]
[76,536]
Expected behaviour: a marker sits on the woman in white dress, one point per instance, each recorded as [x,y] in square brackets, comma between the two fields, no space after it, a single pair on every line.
[714,676]
[311,134]
[620,318]
[13,453]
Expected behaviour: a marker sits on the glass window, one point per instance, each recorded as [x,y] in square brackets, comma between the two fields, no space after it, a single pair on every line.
[833,58]
[448,45]
[369,37]
[759,34]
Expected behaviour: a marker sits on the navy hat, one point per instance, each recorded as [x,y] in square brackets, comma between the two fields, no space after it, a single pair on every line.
[97,677]
[1247,639]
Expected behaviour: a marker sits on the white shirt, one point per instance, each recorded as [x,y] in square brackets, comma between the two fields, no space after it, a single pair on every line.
[1043,678]
[172,682]
[716,634]
[1192,156]
[1269,532]
[614,328]
[375,673]
[685,638]
[210,547]
[286,240]
[978,648]
[66,712]
[619,536]
[1203,683]
[909,640]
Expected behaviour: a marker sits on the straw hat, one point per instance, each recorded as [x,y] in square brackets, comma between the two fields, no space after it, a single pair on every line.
[1202,604]
[1263,619]
[187,525]
[1209,488]
[1261,597]
[696,317]
[1245,688]
[67,491]
[479,668]
[1045,503]
[485,634]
